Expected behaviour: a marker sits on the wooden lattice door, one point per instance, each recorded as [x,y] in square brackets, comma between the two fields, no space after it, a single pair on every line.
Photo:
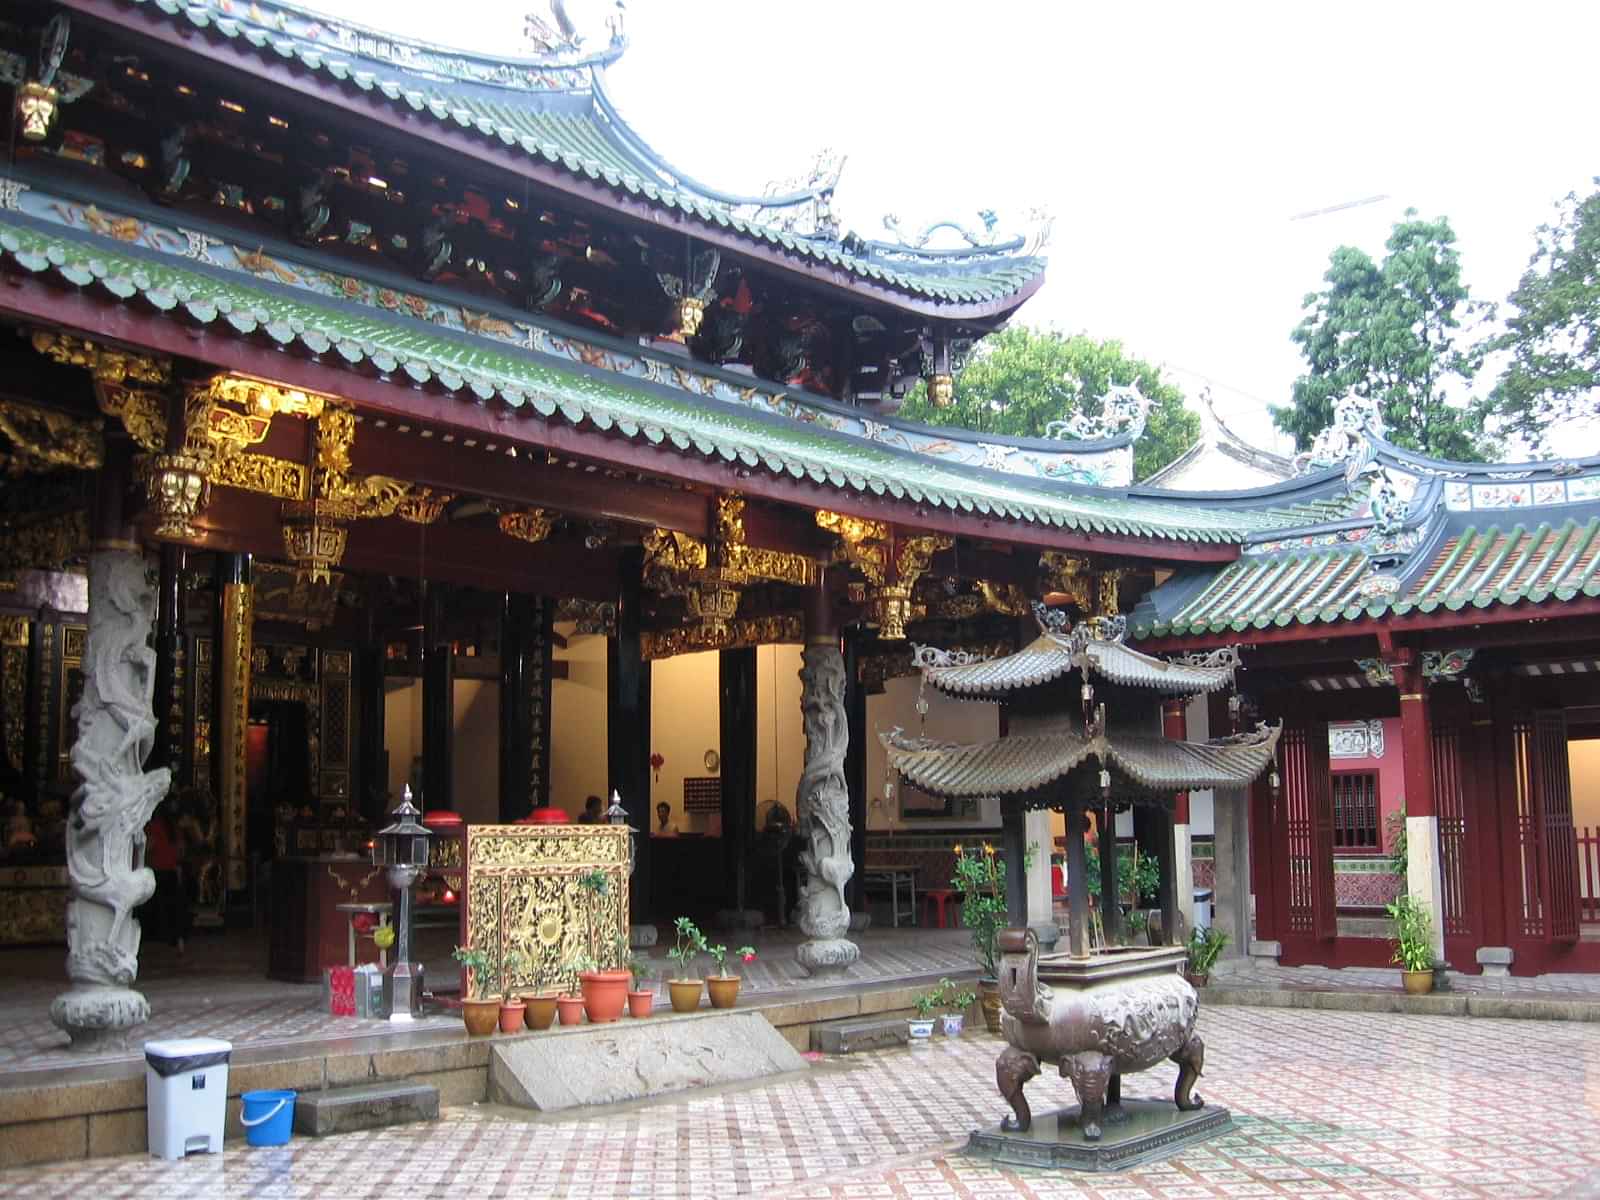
[1302,829]
[1455,794]
[1547,843]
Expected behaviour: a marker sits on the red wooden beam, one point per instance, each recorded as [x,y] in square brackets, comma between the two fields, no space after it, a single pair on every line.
[36,301]
[591,196]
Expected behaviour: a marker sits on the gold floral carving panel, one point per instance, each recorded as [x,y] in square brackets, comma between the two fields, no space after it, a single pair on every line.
[523,895]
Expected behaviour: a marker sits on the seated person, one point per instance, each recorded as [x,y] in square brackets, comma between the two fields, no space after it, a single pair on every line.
[664,825]
[593,813]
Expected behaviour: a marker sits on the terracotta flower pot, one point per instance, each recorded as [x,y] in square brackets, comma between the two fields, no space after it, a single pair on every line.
[641,1003]
[605,994]
[541,1011]
[570,1009]
[512,1013]
[989,1003]
[685,994]
[481,1016]
[1197,978]
[724,990]
[1417,983]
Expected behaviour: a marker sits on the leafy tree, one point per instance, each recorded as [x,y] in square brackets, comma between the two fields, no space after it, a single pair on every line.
[1553,334]
[1021,379]
[1389,331]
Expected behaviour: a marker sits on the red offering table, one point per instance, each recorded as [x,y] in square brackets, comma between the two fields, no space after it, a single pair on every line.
[308,931]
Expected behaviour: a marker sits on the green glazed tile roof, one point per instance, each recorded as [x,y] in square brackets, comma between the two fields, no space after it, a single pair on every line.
[1049,657]
[560,124]
[1029,765]
[1477,566]
[482,370]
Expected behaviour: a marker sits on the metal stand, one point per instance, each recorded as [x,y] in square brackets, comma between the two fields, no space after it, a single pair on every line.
[402,983]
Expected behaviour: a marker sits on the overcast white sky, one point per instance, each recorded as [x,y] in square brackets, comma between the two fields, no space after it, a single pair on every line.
[1172,142]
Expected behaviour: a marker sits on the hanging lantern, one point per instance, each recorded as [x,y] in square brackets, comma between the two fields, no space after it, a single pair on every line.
[891,609]
[941,390]
[688,313]
[37,105]
[314,536]
[176,489]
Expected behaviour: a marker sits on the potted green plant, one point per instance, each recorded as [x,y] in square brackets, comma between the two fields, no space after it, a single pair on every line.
[1205,947]
[956,1002]
[570,1007]
[724,988]
[641,996]
[921,1025]
[980,877]
[480,1003]
[605,988]
[1413,943]
[1138,880]
[512,1008]
[685,987]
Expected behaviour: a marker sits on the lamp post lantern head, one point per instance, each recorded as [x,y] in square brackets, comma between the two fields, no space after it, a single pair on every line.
[616,814]
[404,841]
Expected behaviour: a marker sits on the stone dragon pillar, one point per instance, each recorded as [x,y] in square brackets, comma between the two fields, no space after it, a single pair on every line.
[114,800]
[822,801]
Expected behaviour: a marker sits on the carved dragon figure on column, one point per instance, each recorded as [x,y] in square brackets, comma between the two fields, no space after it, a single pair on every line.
[823,804]
[114,801]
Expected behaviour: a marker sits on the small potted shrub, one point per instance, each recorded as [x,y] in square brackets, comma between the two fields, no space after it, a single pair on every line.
[570,1007]
[480,1003]
[1413,944]
[724,988]
[541,1010]
[605,989]
[921,1025]
[956,1002]
[512,1008]
[641,996]
[685,987]
[1205,947]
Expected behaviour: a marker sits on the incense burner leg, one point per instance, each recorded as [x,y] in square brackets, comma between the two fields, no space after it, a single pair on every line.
[1191,1060]
[1011,1071]
[1090,1073]
[1114,1110]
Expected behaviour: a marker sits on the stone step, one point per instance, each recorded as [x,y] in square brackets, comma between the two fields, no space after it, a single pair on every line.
[857,1034]
[364,1106]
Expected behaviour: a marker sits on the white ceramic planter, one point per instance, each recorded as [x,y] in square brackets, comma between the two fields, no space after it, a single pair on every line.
[920,1030]
[953,1023]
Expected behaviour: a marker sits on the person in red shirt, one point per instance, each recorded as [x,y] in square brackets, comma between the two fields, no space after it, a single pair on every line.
[163,854]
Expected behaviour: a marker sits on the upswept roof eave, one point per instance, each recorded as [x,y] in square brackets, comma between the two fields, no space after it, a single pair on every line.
[635,175]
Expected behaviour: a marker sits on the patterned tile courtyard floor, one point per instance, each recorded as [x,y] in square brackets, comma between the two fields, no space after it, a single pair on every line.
[1326,1104]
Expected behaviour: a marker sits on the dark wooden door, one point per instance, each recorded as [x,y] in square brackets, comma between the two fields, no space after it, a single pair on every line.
[1456,800]
[1546,842]
[1301,843]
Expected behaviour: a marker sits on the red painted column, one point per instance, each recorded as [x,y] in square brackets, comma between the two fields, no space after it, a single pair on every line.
[1416,733]
[1175,725]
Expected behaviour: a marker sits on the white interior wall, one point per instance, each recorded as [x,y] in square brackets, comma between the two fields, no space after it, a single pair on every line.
[780,732]
[685,722]
[578,765]
[402,731]
[1202,822]
[475,761]
[955,720]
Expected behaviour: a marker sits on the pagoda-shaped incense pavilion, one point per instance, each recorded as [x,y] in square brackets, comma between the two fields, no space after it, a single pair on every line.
[1099,1009]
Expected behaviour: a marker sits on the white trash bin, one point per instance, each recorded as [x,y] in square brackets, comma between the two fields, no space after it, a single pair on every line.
[186,1095]
[1202,908]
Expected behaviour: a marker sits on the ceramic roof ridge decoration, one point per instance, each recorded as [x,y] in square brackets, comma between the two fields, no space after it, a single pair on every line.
[527,378]
[1031,766]
[555,109]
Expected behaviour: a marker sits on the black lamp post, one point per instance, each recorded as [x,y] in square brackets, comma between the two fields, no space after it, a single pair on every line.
[402,847]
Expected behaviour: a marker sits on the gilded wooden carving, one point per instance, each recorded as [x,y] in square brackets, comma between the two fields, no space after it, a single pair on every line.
[234,719]
[43,439]
[522,895]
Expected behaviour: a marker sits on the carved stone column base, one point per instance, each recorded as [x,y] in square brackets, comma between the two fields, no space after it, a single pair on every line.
[641,937]
[98,1018]
[826,956]
[860,920]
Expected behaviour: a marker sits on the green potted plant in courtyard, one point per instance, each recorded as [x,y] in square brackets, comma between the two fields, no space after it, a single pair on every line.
[980,878]
[605,989]
[570,1004]
[724,988]
[921,1026]
[480,1002]
[685,987]
[1413,943]
[1205,947]
[955,1002]
[512,1008]
[641,996]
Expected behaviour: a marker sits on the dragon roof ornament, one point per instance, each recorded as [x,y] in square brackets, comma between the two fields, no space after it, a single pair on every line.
[1123,412]
[1347,440]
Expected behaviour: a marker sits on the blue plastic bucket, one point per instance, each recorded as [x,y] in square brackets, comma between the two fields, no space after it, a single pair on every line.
[267,1117]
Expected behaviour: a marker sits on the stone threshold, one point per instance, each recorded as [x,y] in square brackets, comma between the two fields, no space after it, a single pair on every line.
[1381,1000]
[53,1114]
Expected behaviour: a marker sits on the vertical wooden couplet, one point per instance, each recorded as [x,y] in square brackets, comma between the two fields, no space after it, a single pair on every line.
[236,618]
[855,768]
[438,700]
[628,721]
[525,640]
[170,742]
[736,671]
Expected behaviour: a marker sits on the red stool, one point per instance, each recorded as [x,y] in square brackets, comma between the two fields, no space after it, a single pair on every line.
[939,897]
